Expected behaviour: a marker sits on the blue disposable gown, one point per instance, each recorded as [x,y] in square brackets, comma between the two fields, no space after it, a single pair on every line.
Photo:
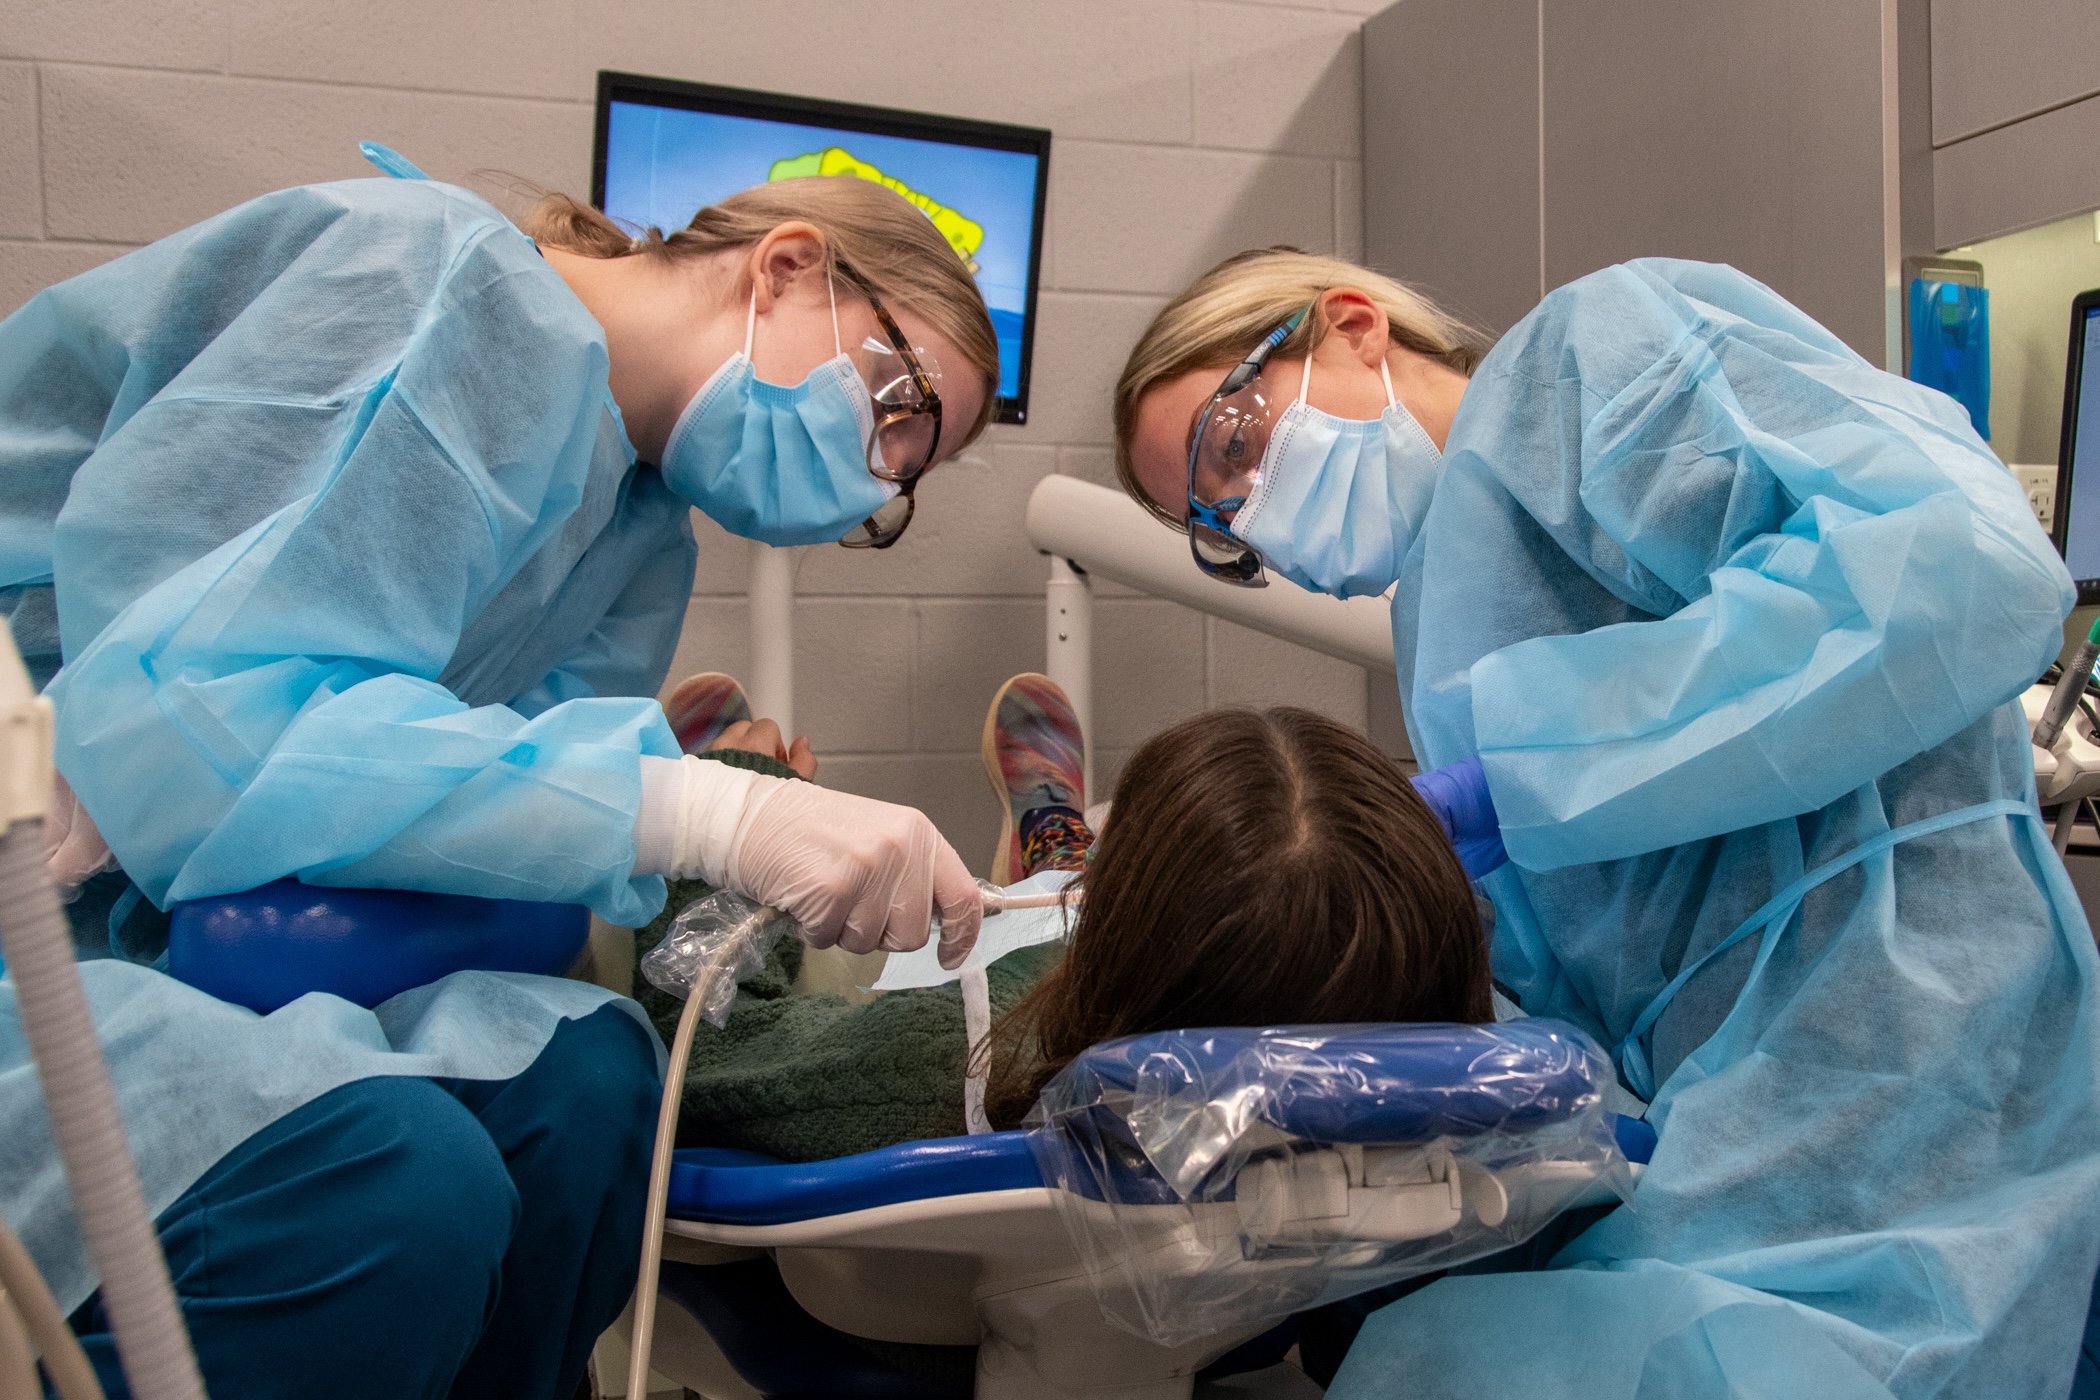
[326,506]
[1716,601]
[327,510]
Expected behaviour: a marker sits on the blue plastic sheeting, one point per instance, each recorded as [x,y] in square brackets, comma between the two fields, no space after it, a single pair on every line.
[1950,345]
[1718,602]
[264,948]
[1370,1083]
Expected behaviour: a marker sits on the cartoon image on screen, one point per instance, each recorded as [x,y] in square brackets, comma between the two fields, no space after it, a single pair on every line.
[663,162]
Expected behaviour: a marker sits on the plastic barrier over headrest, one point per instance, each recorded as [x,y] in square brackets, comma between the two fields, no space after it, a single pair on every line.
[270,945]
[1216,1178]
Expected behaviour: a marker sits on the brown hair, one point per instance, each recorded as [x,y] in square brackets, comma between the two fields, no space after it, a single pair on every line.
[1224,314]
[1261,868]
[874,237]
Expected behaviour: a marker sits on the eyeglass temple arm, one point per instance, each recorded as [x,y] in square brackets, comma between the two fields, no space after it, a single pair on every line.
[1259,355]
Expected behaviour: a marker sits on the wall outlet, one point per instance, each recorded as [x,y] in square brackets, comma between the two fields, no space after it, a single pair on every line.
[2040,485]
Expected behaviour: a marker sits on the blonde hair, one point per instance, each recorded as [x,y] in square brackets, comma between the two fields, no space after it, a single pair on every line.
[872,235]
[1224,314]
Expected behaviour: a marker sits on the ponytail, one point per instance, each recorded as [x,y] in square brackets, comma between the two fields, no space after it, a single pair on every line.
[872,234]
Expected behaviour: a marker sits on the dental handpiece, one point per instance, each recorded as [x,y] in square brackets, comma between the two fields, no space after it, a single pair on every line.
[2064,699]
[998,901]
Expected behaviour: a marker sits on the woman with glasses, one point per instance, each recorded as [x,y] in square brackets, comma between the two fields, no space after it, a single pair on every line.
[353,524]
[1718,629]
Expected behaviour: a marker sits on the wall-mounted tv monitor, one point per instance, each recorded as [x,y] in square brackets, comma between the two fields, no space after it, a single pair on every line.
[2077,515]
[665,149]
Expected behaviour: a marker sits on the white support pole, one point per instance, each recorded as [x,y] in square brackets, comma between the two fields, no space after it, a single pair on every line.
[771,600]
[1069,646]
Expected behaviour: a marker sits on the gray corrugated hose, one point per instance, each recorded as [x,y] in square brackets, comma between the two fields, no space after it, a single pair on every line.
[38,945]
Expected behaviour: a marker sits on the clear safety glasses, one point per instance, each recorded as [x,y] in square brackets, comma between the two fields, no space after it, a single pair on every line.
[1226,445]
[903,380]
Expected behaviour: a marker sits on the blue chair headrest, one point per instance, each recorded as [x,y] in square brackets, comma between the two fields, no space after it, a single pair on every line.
[1405,1082]
[270,945]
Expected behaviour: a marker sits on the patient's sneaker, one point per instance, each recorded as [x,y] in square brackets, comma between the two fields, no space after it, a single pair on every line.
[703,706]
[1034,755]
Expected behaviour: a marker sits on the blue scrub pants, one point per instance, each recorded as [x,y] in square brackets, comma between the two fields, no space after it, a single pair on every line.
[402,1238]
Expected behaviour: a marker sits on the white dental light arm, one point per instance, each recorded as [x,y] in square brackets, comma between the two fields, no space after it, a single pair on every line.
[34,936]
[1107,533]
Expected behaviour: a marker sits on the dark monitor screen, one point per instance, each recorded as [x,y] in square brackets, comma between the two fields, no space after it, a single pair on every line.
[665,149]
[2077,517]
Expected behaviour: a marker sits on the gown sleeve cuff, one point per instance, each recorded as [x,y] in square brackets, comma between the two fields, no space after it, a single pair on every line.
[689,815]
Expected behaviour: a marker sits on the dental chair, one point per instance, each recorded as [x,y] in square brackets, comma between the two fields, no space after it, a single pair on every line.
[1186,1194]
[1201,1214]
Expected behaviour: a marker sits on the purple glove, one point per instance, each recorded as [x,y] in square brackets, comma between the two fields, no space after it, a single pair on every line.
[1458,794]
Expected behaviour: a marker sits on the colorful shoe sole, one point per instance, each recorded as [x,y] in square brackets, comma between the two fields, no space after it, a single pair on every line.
[1034,756]
[703,706]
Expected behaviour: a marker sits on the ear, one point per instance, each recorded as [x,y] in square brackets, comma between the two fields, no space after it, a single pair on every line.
[791,251]
[1355,321]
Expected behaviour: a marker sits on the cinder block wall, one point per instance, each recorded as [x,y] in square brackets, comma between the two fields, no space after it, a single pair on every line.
[1184,132]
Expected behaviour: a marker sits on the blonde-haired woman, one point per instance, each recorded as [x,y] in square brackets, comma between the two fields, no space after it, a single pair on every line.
[1718,629]
[353,522]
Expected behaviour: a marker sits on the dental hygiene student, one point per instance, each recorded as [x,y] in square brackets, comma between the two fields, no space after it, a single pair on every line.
[1727,626]
[353,523]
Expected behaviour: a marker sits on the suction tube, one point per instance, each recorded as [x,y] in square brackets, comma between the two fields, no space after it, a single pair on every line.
[710,944]
[38,947]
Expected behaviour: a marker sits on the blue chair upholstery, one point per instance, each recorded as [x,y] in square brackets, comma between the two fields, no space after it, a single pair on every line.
[746,1188]
[1433,1081]
[270,945]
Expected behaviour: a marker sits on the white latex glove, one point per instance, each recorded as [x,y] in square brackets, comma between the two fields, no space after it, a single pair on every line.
[73,846]
[850,870]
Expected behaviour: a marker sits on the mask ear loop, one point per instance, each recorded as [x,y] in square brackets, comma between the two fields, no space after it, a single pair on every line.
[831,289]
[1385,372]
[751,317]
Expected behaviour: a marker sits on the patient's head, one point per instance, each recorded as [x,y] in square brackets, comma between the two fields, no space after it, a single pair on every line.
[1261,868]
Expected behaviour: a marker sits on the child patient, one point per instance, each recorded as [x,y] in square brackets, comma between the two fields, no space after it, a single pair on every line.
[1261,868]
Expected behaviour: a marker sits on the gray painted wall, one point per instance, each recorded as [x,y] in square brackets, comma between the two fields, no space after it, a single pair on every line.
[1451,169]
[1748,133]
[1997,61]
[2015,114]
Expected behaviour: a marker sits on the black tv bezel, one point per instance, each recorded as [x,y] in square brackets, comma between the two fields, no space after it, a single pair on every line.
[876,121]
[2067,441]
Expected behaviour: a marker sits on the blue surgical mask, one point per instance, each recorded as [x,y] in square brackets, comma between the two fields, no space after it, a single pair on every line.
[778,463]
[1339,500]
